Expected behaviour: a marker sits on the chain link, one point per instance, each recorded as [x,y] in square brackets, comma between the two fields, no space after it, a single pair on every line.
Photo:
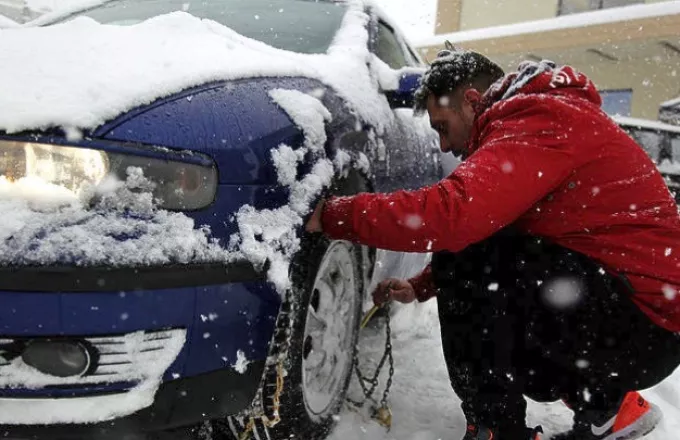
[374,380]
[388,350]
[279,351]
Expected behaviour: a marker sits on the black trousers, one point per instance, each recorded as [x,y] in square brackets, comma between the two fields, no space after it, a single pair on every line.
[521,316]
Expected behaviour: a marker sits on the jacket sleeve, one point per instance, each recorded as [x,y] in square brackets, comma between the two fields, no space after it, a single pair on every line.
[521,160]
[423,285]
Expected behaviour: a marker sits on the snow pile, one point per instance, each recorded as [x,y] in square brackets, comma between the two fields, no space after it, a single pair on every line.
[114,224]
[73,85]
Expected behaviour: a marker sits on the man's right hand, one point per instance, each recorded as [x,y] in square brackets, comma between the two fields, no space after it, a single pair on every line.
[394,289]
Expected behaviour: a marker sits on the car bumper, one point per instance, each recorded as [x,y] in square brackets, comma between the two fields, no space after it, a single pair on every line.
[73,279]
[177,403]
[199,319]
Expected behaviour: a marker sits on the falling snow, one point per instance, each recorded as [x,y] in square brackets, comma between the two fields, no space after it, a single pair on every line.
[669,292]
[241,365]
[563,292]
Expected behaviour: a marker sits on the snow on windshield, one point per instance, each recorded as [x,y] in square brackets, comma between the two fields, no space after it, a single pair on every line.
[82,73]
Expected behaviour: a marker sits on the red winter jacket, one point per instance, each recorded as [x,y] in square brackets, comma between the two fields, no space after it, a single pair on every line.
[545,157]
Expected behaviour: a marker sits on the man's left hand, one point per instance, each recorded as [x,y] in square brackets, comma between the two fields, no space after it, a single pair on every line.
[314,222]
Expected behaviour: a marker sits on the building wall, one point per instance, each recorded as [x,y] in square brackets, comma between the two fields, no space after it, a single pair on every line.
[448,16]
[460,15]
[651,83]
[479,14]
[651,71]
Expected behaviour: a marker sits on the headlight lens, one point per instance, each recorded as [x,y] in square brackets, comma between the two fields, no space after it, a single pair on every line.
[178,185]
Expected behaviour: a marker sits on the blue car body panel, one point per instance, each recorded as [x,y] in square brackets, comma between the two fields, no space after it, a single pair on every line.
[220,321]
[236,123]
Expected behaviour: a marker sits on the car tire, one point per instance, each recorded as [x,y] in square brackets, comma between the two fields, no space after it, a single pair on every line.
[307,410]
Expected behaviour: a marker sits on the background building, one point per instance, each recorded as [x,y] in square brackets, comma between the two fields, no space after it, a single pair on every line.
[629,48]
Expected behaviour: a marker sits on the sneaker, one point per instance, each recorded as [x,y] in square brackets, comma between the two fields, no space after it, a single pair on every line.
[474,432]
[483,433]
[634,419]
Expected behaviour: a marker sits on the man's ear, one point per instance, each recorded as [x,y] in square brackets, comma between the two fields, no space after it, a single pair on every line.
[472,97]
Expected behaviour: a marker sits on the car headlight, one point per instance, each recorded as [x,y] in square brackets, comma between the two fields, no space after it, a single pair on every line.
[178,185]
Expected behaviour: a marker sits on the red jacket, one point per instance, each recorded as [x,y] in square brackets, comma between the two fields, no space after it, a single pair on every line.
[545,157]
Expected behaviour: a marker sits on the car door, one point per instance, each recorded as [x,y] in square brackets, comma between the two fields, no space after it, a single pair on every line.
[408,155]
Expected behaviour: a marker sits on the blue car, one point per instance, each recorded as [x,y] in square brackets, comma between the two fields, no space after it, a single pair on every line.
[115,350]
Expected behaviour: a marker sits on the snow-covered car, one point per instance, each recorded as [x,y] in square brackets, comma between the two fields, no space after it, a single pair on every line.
[159,158]
[6,23]
[661,141]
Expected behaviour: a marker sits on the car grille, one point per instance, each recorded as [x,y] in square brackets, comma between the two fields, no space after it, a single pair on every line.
[131,358]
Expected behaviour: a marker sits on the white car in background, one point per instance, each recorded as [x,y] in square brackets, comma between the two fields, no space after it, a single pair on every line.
[661,141]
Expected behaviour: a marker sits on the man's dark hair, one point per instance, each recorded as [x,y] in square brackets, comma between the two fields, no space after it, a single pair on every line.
[453,69]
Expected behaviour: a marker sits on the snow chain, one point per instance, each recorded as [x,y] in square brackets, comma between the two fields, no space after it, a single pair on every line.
[276,418]
[280,346]
[381,412]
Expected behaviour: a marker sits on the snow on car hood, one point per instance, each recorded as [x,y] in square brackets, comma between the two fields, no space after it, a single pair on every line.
[7,23]
[80,74]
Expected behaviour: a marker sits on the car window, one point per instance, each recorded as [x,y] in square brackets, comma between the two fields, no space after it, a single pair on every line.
[303,26]
[388,47]
[414,58]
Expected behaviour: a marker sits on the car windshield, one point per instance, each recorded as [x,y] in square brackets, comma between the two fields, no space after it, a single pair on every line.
[304,26]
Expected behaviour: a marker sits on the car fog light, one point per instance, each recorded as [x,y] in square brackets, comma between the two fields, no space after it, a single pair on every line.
[58,358]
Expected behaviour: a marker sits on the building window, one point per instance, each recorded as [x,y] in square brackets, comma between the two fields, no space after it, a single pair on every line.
[574,6]
[617,102]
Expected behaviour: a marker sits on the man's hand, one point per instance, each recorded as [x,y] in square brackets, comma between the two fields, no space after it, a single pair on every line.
[314,222]
[394,289]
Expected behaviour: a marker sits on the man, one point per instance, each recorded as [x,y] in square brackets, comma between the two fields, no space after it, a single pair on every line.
[556,250]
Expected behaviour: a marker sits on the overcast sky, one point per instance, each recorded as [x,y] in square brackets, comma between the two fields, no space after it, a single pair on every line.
[414,17]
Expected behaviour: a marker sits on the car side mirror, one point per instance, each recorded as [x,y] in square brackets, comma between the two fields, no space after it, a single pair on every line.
[402,92]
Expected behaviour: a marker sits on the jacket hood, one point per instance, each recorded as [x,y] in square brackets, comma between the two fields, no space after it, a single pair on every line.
[531,79]
[541,78]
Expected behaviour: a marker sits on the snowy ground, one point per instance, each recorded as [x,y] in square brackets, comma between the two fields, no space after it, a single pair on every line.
[425,408]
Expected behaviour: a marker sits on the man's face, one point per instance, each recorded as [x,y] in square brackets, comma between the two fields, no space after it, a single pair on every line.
[452,117]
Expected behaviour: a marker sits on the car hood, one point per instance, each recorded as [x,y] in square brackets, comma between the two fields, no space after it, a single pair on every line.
[237,123]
